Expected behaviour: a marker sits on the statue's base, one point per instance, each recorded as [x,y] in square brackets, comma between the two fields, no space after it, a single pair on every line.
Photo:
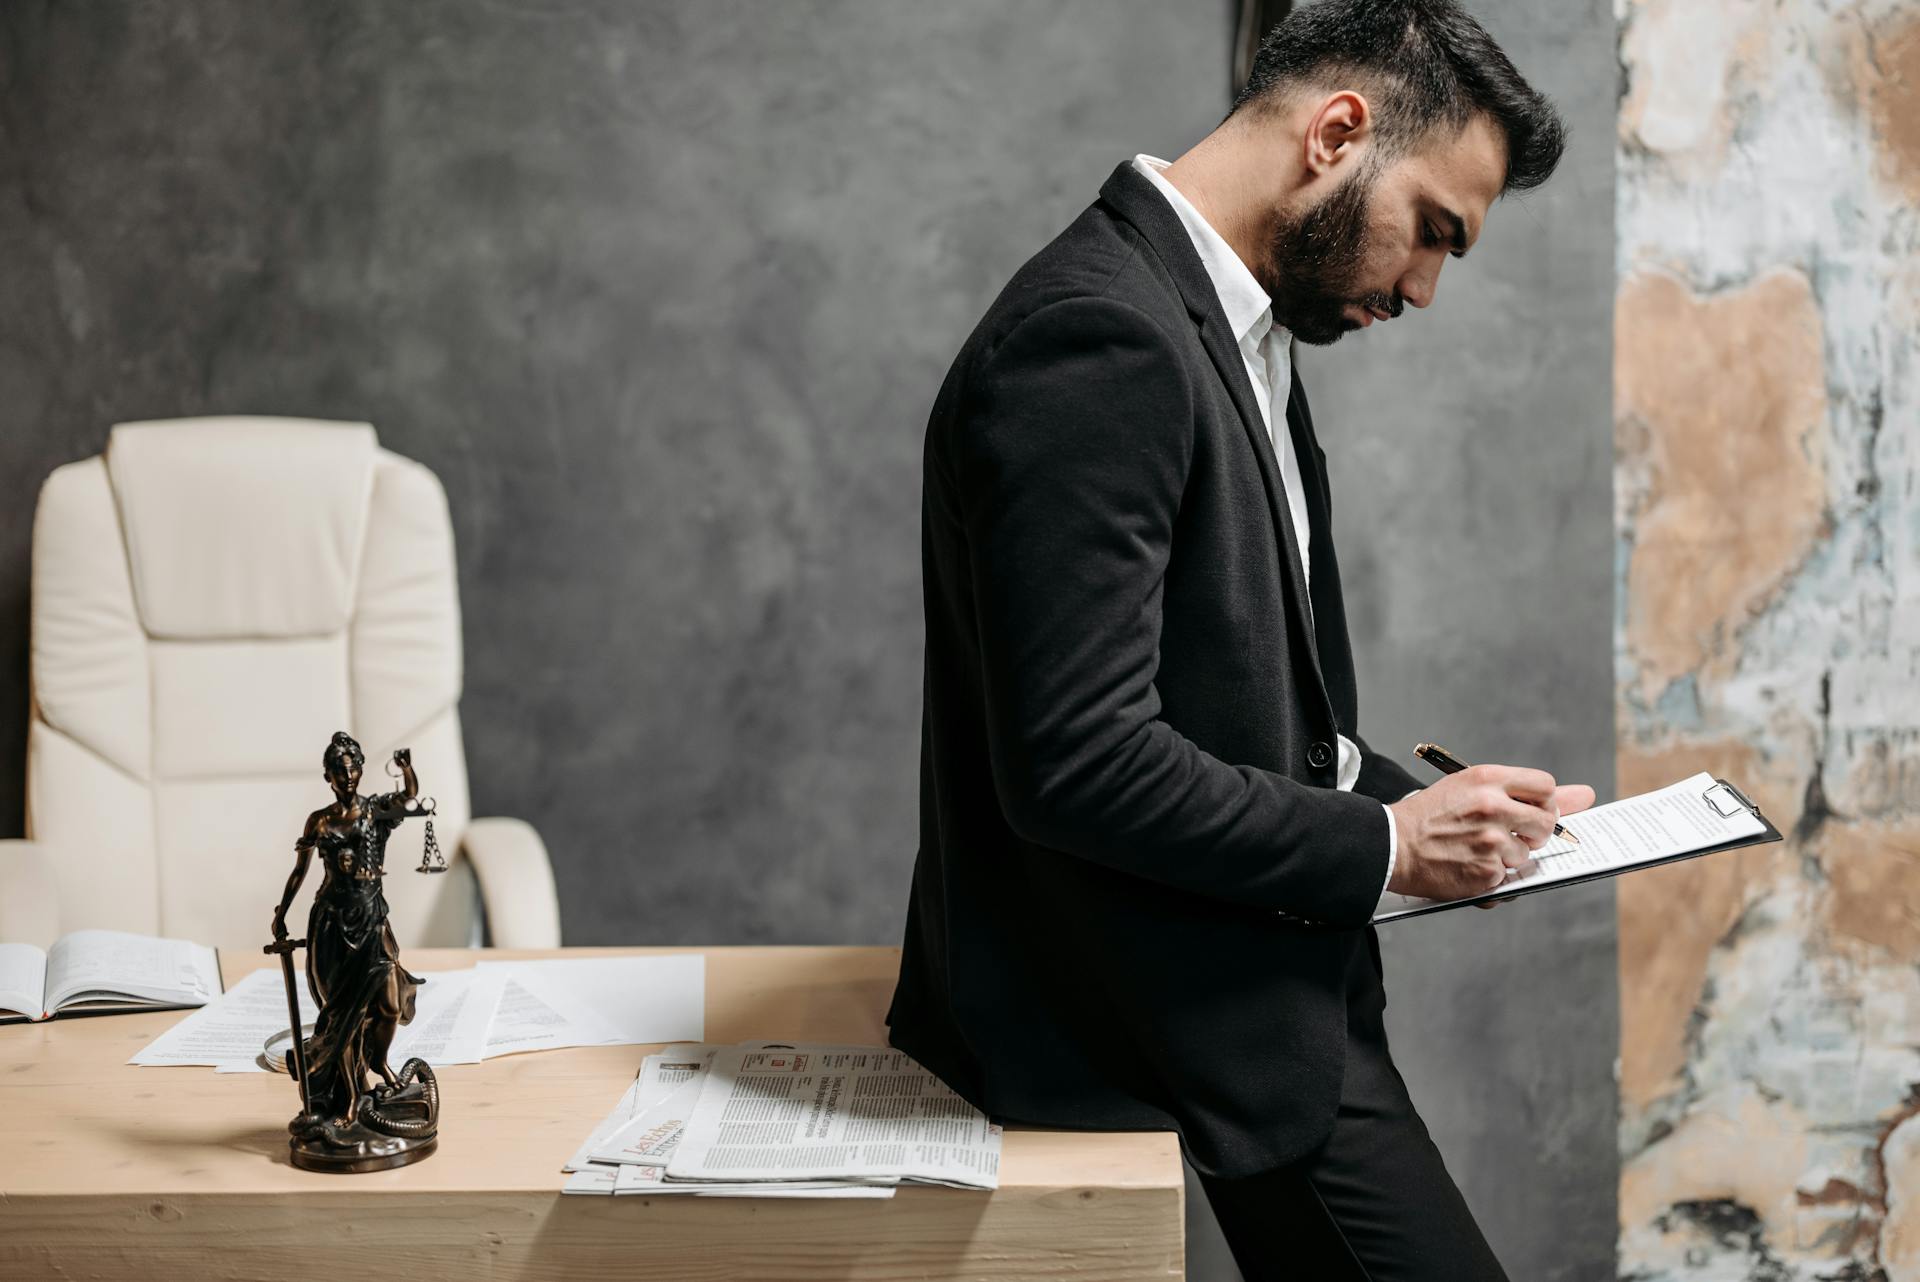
[351,1148]
[385,1153]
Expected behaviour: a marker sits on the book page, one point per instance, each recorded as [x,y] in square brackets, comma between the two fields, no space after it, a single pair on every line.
[1693,814]
[23,980]
[112,965]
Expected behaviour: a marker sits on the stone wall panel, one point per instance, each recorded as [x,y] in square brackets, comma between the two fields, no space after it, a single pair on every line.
[1767,627]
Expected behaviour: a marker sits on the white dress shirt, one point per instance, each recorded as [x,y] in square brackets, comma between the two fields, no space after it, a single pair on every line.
[1264,346]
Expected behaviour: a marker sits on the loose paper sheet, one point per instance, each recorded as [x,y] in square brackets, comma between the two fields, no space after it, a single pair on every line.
[527,1020]
[462,1017]
[449,1024]
[599,1001]
[232,1028]
[451,1015]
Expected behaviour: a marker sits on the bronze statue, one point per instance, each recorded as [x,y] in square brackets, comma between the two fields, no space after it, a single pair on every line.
[355,975]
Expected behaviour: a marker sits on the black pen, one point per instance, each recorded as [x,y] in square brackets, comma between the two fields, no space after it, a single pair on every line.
[1448,764]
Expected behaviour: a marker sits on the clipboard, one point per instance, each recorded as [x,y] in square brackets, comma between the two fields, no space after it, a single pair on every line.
[1726,801]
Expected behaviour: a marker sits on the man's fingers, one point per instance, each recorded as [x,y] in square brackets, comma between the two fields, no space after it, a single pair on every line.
[1569,798]
[1526,784]
[1518,856]
[1529,823]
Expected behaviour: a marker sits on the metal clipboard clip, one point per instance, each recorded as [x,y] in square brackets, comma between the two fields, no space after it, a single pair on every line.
[1727,800]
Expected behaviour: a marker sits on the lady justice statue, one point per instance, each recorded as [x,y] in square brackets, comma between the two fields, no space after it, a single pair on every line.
[354,973]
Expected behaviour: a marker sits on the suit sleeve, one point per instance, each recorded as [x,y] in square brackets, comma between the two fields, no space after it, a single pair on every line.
[1381,777]
[1070,464]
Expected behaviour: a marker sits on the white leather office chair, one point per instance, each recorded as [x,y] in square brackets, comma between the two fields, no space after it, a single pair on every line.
[212,599]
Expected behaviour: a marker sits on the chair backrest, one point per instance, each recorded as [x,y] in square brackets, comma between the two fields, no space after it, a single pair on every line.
[212,599]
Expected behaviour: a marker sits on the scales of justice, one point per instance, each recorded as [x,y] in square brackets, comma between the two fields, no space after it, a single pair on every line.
[356,1113]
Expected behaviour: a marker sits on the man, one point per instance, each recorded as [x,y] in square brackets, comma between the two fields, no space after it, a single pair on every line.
[1139,746]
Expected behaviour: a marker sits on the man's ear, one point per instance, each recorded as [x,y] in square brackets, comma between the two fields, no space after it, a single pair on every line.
[1336,127]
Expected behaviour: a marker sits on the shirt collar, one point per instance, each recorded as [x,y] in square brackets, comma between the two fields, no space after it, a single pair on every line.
[1248,307]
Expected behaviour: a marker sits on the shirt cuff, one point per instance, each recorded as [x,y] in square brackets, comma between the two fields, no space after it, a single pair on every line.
[1393,843]
[1393,847]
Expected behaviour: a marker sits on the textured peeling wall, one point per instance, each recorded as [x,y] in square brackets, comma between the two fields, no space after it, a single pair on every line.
[1768,628]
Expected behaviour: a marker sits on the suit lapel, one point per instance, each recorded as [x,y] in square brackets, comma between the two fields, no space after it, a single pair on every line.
[1134,198]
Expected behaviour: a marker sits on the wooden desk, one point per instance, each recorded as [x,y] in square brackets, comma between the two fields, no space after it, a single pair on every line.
[109,1171]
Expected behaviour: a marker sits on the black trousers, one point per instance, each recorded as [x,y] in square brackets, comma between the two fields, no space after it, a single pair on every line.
[1375,1201]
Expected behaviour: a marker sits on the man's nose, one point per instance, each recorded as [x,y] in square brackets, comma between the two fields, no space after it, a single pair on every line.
[1418,287]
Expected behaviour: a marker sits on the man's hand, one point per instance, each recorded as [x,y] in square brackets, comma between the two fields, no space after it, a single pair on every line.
[1462,835]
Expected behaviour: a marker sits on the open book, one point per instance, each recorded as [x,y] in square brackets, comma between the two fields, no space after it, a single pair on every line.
[104,972]
[1697,816]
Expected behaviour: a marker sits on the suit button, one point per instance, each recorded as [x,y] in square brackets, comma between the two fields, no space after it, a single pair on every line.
[1319,756]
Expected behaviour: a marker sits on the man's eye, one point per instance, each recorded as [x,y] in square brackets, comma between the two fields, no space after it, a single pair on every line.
[1429,234]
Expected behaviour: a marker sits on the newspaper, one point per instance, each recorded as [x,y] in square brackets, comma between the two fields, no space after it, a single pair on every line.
[669,1085]
[654,1112]
[845,1112]
[653,1179]
[620,1181]
[662,1080]
[629,1104]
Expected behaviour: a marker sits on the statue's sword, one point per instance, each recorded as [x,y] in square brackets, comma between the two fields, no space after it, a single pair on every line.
[285,948]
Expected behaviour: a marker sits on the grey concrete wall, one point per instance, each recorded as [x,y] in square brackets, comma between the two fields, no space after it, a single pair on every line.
[1471,453]
[664,291]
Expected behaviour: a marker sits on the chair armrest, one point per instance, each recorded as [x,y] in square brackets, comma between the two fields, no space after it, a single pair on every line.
[516,882]
[29,896]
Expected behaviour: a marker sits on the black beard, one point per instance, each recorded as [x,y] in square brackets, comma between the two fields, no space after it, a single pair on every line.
[1315,261]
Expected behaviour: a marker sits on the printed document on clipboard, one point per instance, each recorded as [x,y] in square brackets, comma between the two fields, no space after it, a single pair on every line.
[1697,816]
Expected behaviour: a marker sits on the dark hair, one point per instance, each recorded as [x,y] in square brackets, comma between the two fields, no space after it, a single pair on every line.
[1427,63]
[343,749]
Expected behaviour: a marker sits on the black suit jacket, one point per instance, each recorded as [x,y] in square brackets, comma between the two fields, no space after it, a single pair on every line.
[1129,720]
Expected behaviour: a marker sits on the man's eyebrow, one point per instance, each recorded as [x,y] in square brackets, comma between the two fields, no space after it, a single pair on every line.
[1459,231]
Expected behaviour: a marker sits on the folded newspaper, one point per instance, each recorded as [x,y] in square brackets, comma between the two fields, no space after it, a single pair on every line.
[767,1119]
